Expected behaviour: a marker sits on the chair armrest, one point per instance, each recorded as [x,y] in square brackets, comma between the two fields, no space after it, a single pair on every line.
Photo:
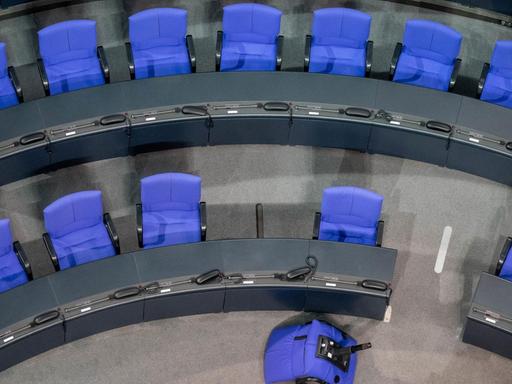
[218,50]
[380,233]
[104,63]
[131,63]
[503,255]
[455,73]
[369,58]
[394,60]
[483,77]
[202,215]
[260,230]
[112,233]
[316,226]
[44,77]
[22,257]
[140,233]
[279,56]
[51,251]
[15,83]
[191,52]
[307,52]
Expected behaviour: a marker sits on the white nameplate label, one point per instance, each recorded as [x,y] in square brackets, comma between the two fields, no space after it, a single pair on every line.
[166,290]
[248,282]
[10,338]
[86,309]
[490,320]
[330,284]
[150,118]
[474,140]
[233,111]
[394,122]
[314,113]
[71,133]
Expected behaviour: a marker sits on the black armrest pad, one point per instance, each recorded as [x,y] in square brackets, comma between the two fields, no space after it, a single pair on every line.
[358,112]
[307,52]
[22,257]
[455,73]
[45,317]
[218,50]
[380,233]
[44,77]
[51,251]
[369,58]
[316,226]
[129,57]
[394,60]
[503,255]
[140,234]
[32,138]
[279,55]
[260,230]
[202,214]
[438,126]
[191,52]
[15,83]
[112,233]
[104,63]
[276,106]
[483,77]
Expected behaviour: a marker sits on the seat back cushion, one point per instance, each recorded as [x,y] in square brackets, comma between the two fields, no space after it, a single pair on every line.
[506,269]
[170,191]
[11,271]
[3,60]
[501,61]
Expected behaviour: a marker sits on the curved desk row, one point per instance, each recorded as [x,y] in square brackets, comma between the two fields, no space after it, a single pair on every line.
[159,283]
[327,111]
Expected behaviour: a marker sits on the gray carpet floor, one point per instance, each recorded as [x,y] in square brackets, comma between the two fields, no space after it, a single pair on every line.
[421,344]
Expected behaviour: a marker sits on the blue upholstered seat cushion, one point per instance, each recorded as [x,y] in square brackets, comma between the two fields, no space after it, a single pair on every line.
[506,269]
[12,273]
[161,61]
[8,96]
[348,233]
[170,227]
[338,60]
[498,85]
[248,56]
[68,50]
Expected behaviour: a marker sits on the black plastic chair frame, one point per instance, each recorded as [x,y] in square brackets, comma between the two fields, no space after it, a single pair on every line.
[22,258]
[15,83]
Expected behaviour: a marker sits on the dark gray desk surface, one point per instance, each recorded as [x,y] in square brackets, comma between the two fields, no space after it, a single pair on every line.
[494,294]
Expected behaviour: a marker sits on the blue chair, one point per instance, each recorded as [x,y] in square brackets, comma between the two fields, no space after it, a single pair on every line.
[171,211]
[339,43]
[504,266]
[315,352]
[78,231]
[350,215]
[70,59]
[428,56]
[10,90]
[495,85]
[158,45]
[250,40]
[14,266]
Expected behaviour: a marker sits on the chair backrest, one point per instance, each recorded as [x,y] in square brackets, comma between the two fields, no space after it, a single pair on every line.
[158,27]
[501,61]
[68,40]
[5,237]
[341,26]
[73,212]
[351,205]
[170,191]
[432,40]
[251,23]
[3,60]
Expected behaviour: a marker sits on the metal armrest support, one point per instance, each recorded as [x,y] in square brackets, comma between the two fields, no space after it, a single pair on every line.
[380,233]
[218,50]
[44,77]
[483,77]
[22,257]
[307,52]
[140,234]
[279,55]
[316,225]
[260,230]
[131,63]
[15,83]
[369,58]
[51,251]
[503,255]
[191,52]
[202,214]
[104,63]
[112,233]
[455,73]
[394,60]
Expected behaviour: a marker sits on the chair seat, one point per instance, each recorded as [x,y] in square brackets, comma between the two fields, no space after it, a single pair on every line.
[170,227]
[8,96]
[248,56]
[161,61]
[347,233]
[337,60]
[83,246]
[423,72]
[498,90]
[74,74]
[11,272]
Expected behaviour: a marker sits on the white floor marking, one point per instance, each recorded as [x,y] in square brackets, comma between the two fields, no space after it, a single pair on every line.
[387,315]
[443,249]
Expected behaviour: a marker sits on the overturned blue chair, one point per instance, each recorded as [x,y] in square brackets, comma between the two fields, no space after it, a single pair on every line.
[428,56]
[14,266]
[504,266]
[495,85]
[78,231]
[10,89]
[250,39]
[315,352]
[159,44]
[339,43]
[171,211]
[351,215]
[70,59]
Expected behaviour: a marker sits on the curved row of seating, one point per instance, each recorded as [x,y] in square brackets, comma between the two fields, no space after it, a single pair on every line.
[250,41]
[170,212]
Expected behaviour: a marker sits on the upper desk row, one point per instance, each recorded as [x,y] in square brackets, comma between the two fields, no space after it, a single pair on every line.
[308,109]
